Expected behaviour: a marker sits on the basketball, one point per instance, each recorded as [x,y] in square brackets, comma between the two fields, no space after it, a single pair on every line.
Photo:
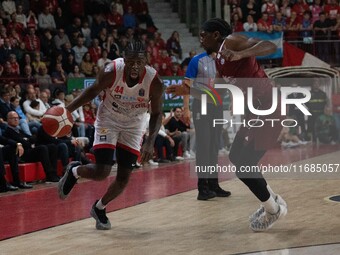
[57,121]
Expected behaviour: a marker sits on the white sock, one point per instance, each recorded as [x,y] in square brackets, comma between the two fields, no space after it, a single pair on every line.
[74,171]
[271,192]
[100,205]
[271,206]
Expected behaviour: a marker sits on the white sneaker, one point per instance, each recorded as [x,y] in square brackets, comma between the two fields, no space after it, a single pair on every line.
[179,158]
[261,210]
[186,155]
[303,142]
[153,163]
[267,220]
[192,154]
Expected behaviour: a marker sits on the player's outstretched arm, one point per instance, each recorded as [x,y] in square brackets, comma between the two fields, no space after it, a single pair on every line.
[104,79]
[236,47]
[156,101]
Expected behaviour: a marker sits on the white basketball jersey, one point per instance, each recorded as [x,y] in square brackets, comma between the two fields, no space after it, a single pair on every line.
[123,104]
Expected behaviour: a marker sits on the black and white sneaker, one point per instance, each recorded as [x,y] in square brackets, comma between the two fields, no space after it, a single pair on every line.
[102,222]
[68,181]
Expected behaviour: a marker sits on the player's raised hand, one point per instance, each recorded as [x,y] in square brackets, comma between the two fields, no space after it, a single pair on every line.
[178,90]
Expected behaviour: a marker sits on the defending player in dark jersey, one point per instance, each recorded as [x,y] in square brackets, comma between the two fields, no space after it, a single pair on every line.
[236,59]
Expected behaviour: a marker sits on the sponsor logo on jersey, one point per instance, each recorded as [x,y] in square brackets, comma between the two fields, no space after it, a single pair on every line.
[141,92]
[102,138]
[140,99]
[117,96]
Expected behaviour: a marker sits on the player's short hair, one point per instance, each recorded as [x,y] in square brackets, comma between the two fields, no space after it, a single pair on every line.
[135,47]
[217,24]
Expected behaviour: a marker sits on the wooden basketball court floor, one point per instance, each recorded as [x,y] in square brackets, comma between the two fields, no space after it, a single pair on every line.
[159,214]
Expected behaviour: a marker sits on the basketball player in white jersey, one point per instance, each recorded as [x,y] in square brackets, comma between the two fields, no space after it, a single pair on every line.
[130,86]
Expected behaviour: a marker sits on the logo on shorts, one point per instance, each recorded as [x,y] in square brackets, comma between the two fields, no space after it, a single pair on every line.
[103,131]
[140,99]
[118,96]
[102,138]
[141,92]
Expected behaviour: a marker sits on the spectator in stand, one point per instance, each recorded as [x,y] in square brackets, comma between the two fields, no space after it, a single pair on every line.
[95,71]
[14,38]
[59,77]
[61,20]
[153,49]
[176,69]
[173,47]
[236,23]
[74,28]
[48,47]
[5,51]
[9,6]
[316,8]
[89,119]
[46,20]
[300,7]
[316,106]
[164,62]
[143,16]
[306,28]
[112,48]
[235,8]
[14,64]
[123,45]
[60,39]
[25,125]
[102,37]
[52,5]
[67,50]
[79,50]
[159,42]
[95,50]
[59,98]
[27,76]
[32,41]
[86,31]
[164,140]
[271,8]
[44,99]
[263,24]
[76,73]
[103,60]
[129,19]
[25,60]
[31,96]
[86,65]
[186,61]
[322,28]
[332,10]
[250,25]
[178,132]
[31,20]
[292,32]
[325,127]
[13,24]
[9,151]
[31,118]
[20,52]
[37,62]
[251,8]
[98,24]
[279,23]
[47,155]
[114,18]
[57,59]
[43,78]
[7,72]
[21,17]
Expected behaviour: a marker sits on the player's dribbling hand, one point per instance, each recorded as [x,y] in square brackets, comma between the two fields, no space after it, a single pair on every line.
[230,55]
[178,90]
